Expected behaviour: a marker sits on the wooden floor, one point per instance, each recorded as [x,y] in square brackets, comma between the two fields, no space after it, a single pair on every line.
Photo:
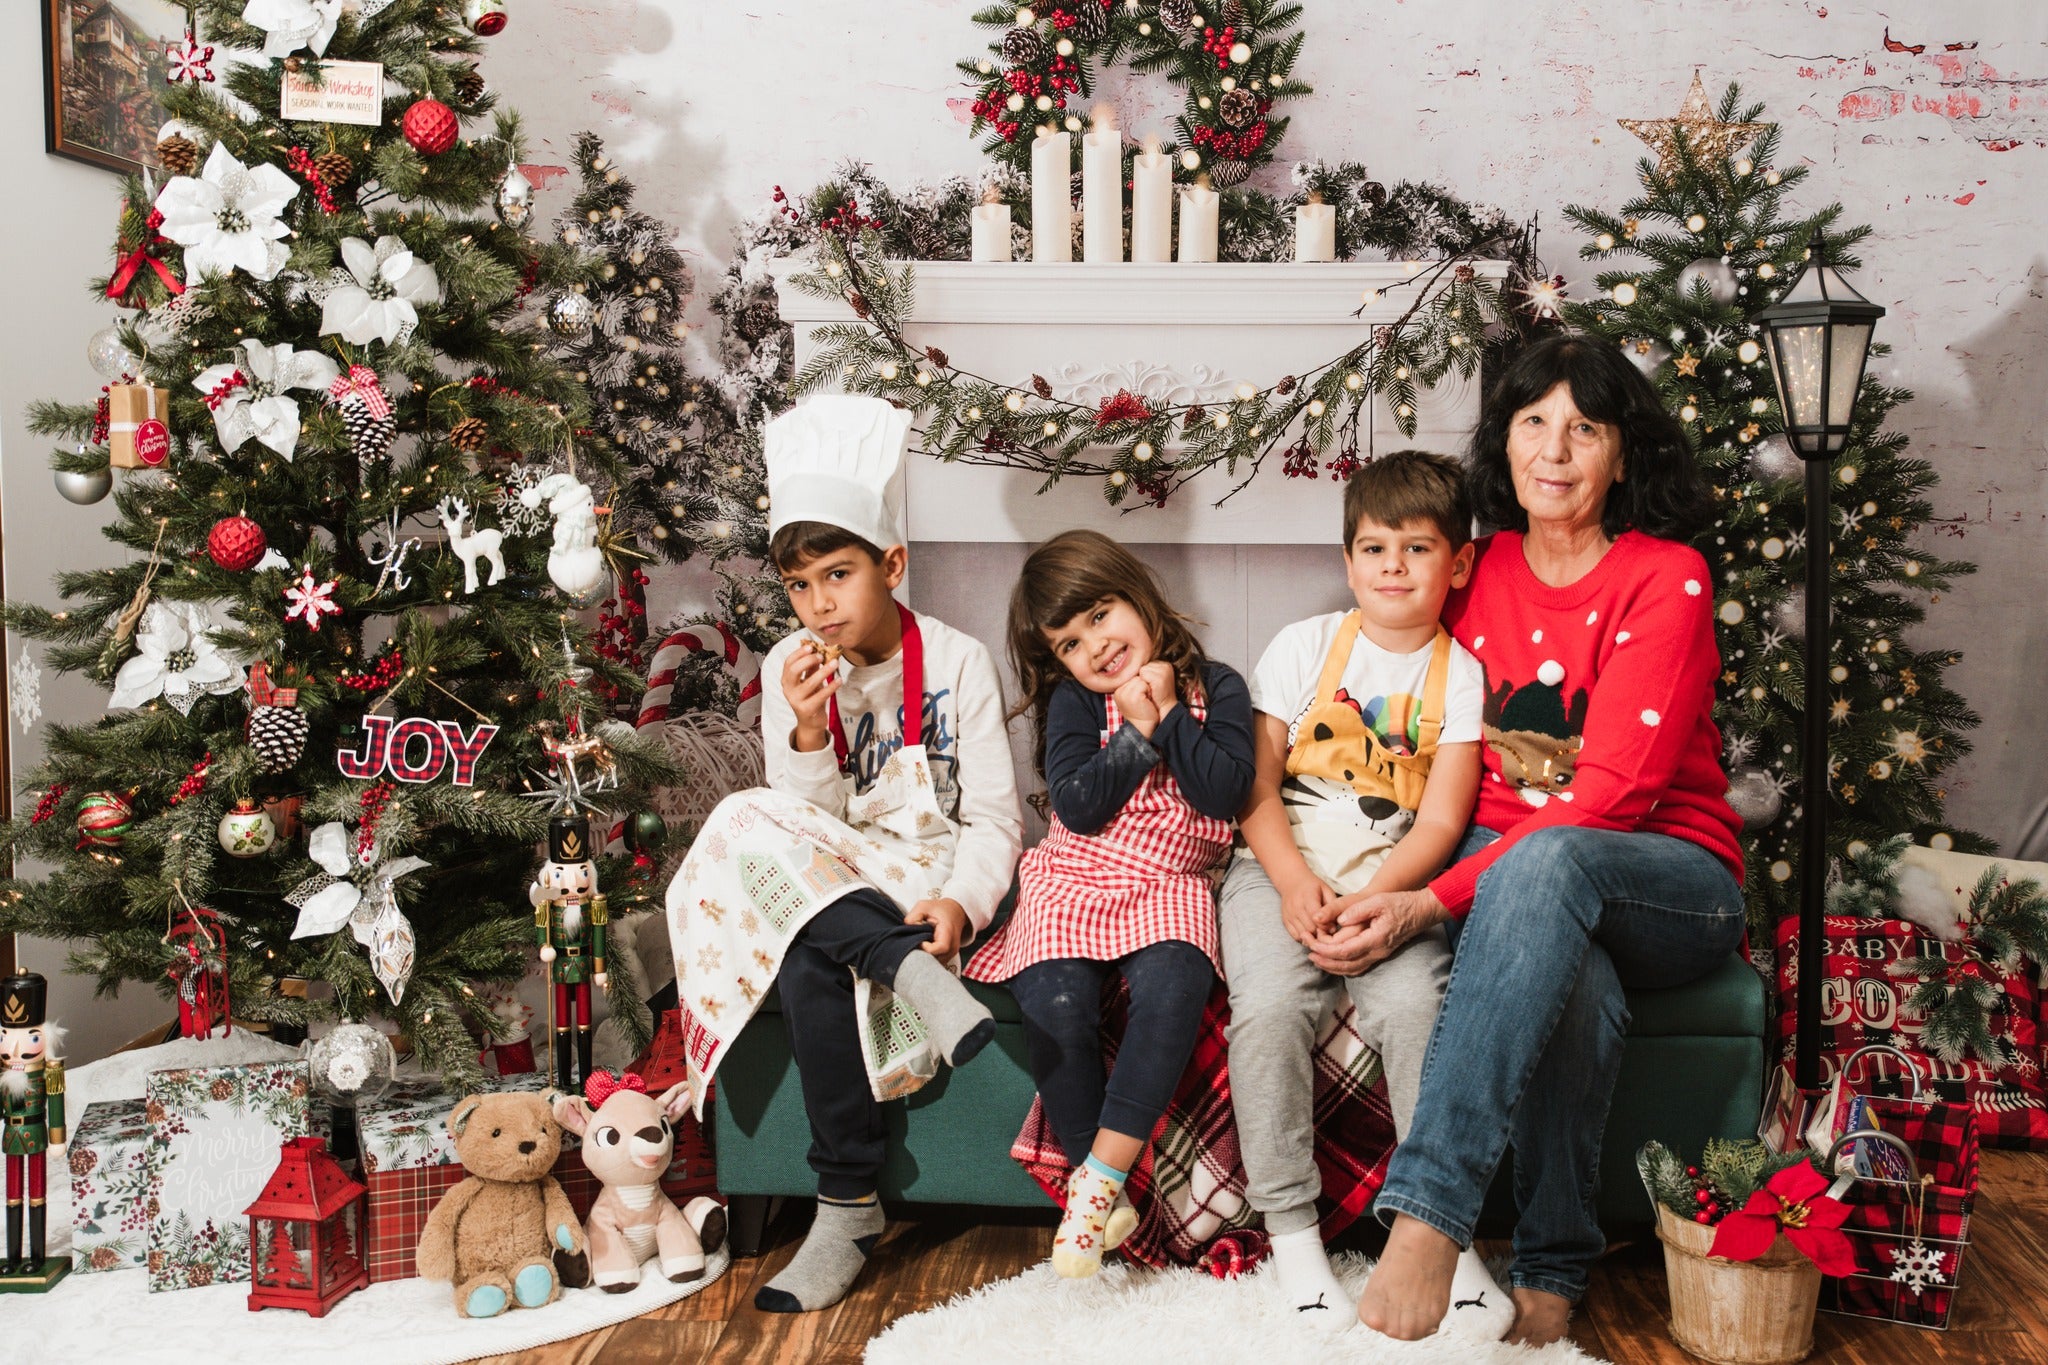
[2001,1316]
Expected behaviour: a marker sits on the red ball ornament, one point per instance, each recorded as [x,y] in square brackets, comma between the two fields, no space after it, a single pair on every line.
[430,126]
[1701,1196]
[1702,1217]
[236,543]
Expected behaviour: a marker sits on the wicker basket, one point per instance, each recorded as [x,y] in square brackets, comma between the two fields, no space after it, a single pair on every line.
[1737,1312]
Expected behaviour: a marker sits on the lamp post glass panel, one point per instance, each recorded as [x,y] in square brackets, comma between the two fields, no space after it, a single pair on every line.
[1818,336]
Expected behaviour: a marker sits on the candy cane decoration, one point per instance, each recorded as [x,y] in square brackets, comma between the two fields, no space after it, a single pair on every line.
[668,660]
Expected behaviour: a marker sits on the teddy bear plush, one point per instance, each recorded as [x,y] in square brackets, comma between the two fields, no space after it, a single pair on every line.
[506,1236]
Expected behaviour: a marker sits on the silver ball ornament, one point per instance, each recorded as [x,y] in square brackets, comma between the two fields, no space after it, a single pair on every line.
[1719,279]
[354,1064]
[109,357]
[1754,797]
[85,489]
[571,315]
[1774,458]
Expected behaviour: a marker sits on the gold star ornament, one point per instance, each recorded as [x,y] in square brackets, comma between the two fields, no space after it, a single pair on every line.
[1710,139]
[1688,364]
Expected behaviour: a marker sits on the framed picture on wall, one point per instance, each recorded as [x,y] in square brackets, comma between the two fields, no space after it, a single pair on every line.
[106,65]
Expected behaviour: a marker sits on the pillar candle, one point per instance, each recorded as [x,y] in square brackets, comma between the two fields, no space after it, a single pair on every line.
[1198,205]
[991,229]
[1052,208]
[1102,191]
[1315,230]
[1151,204]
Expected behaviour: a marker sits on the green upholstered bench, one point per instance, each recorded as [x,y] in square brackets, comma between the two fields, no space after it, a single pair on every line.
[1693,1069]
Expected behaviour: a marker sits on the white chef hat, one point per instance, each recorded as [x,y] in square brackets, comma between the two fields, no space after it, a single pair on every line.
[839,459]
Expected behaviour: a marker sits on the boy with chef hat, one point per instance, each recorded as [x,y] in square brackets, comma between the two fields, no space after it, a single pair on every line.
[885,839]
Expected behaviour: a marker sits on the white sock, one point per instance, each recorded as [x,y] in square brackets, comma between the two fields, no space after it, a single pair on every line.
[1308,1282]
[1480,1309]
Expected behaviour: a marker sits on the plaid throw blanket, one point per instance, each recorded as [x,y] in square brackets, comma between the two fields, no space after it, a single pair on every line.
[1188,1185]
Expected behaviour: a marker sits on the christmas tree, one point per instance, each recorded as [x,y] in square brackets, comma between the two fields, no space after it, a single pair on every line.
[335,356]
[1685,267]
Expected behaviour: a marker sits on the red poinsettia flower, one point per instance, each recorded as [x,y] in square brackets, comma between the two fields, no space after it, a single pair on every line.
[1794,1202]
[1122,406]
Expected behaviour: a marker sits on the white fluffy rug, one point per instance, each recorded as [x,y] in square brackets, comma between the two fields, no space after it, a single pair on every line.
[1134,1317]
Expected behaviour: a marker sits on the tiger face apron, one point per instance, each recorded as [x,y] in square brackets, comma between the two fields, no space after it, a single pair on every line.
[1335,743]
[765,862]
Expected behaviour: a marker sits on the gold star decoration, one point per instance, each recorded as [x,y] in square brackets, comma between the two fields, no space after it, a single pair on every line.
[1749,432]
[1911,683]
[1710,139]
[1688,365]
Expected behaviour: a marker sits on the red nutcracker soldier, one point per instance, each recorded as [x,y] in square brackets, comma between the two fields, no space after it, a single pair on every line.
[31,1122]
[569,920]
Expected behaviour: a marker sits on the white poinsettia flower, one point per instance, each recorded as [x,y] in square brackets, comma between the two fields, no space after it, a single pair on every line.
[227,217]
[374,300]
[248,397]
[175,660]
[327,902]
[289,25]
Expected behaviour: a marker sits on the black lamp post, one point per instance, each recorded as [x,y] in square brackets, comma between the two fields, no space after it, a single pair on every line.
[1818,338]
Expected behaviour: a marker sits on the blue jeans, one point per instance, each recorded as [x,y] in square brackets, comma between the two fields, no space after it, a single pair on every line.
[1061,1002]
[1528,1042]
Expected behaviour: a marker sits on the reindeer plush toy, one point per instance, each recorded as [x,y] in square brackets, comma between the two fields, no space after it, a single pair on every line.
[628,1138]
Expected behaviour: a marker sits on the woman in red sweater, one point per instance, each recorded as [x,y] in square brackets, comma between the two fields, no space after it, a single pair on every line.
[1603,851]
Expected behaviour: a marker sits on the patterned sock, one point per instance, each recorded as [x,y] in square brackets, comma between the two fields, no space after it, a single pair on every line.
[1308,1282]
[961,1025]
[1091,1191]
[826,1265]
[1123,1221]
[1480,1309]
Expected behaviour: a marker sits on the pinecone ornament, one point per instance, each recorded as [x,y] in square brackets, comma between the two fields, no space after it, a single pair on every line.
[278,735]
[1091,22]
[1238,108]
[1022,47]
[469,434]
[369,436]
[1224,174]
[336,169]
[1233,13]
[178,154]
[470,86]
[1178,15]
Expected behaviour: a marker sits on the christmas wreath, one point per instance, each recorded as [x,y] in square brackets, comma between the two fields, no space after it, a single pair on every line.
[1232,60]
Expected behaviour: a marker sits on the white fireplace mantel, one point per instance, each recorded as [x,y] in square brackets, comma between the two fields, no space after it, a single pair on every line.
[1170,333]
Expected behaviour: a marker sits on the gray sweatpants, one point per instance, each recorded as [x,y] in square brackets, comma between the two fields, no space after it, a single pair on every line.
[1276,997]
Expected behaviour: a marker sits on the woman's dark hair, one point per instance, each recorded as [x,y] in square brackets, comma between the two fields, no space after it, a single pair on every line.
[1664,493]
[1063,578]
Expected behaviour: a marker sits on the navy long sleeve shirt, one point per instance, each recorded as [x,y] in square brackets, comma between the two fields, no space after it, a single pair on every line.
[1090,781]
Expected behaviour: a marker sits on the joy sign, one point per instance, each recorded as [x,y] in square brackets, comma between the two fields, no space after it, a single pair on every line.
[388,744]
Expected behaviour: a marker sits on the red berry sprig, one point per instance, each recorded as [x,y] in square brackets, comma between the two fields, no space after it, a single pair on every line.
[380,675]
[1705,1197]
[195,782]
[302,161]
[47,805]
[372,804]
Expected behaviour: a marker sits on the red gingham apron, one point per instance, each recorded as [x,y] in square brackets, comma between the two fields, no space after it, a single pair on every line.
[1147,877]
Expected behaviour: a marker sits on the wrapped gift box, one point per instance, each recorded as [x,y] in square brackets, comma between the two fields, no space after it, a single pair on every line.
[109,1158]
[137,437]
[409,1163]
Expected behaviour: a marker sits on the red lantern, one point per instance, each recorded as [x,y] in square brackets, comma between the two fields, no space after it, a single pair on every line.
[306,1232]
[430,126]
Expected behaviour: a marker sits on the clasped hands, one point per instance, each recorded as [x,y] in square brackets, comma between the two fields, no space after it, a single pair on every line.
[1146,699]
[1349,935]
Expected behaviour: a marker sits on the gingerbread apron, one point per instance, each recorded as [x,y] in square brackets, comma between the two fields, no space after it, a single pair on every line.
[1334,742]
[766,862]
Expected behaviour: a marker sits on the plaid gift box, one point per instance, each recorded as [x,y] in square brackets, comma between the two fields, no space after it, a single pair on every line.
[409,1163]
[109,1159]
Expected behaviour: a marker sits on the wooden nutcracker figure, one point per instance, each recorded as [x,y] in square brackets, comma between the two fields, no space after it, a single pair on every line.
[31,1122]
[569,919]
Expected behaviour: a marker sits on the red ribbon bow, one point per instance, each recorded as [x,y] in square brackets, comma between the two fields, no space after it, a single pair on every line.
[603,1086]
[131,264]
[263,693]
[361,383]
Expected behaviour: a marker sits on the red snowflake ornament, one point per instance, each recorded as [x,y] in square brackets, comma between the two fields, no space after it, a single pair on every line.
[189,60]
[311,599]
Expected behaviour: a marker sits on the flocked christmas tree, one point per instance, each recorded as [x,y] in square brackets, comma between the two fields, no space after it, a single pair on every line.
[347,358]
[1685,267]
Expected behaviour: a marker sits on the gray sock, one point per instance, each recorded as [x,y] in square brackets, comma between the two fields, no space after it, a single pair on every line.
[830,1259]
[961,1025]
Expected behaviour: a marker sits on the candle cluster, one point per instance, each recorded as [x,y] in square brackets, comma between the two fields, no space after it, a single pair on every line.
[1102,206]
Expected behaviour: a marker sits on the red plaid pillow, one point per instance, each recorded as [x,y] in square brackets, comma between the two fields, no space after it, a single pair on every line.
[1862,1003]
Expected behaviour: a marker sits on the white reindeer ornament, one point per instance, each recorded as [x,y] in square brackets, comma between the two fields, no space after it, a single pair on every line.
[575,564]
[472,545]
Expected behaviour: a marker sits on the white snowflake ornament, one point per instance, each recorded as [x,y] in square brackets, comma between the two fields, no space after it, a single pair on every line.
[25,691]
[189,60]
[1918,1266]
[228,217]
[310,599]
[257,405]
[373,298]
[175,659]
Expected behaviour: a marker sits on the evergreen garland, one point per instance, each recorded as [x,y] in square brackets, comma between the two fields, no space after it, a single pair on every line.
[1728,1173]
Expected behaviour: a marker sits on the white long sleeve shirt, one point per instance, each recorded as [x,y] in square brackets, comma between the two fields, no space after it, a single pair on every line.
[967,743]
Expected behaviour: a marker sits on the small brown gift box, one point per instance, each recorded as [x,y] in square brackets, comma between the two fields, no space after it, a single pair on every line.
[138,436]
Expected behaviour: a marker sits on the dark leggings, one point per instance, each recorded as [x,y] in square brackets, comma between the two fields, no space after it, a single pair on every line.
[862,930]
[1061,1001]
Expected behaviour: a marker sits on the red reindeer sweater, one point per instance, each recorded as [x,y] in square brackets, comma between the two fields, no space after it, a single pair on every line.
[1600,699]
